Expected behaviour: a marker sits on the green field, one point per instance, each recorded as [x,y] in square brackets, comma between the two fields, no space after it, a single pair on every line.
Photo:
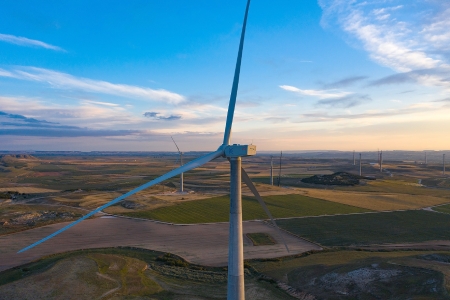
[376,228]
[217,209]
[260,239]
[443,208]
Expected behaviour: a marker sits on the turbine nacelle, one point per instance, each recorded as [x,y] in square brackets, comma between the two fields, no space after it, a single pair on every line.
[237,150]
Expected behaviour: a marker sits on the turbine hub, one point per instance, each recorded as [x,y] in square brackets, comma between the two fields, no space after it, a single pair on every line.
[239,150]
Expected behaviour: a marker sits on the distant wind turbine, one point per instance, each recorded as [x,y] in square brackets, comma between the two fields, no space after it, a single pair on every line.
[279,173]
[443,164]
[381,161]
[271,170]
[360,173]
[181,163]
[235,288]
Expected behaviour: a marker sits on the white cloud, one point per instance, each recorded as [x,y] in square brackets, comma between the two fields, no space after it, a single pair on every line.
[22,41]
[428,111]
[436,32]
[101,103]
[402,35]
[4,73]
[386,45]
[67,81]
[321,94]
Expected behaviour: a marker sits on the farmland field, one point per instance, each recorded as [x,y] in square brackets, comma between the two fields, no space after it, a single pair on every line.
[372,228]
[259,239]
[378,201]
[57,187]
[443,208]
[217,209]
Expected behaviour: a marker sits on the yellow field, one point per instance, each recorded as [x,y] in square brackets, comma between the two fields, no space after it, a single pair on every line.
[377,201]
[28,190]
[89,200]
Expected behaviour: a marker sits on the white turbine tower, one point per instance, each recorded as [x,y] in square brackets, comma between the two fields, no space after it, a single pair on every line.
[233,153]
[360,173]
[271,170]
[443,164]
[381,161]
[181,163]
[279,172]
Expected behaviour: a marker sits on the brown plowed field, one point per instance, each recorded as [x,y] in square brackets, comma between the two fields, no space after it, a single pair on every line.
[201,244]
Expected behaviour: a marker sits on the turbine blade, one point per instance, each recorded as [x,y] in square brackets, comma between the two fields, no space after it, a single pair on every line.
[189,166]
[175,144]
[234,89]
[255,192]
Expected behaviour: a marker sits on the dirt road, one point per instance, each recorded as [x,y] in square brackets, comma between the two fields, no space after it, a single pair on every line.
[201,244]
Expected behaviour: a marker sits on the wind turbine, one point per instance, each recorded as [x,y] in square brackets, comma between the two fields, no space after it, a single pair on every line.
[443,164]
[181,163]
[279,173]
[233,153]
[360,173]
[271,170]
[381,161]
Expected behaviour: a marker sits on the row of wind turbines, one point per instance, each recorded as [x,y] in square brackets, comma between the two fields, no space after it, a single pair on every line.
[380,161]
[181,188]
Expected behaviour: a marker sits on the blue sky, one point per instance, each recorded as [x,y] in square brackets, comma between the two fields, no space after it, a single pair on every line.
[327,74]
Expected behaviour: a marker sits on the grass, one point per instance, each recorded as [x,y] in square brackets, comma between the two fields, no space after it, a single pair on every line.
[261,239]
[128,271]
[119,274]
[327,273]
[28,190]
[370,278]
[47,262]
[437,182]
[376,228]
[123,273]
[443,208]
[70,278]
[378,200]
[217,209]
[396,186]
[279,268]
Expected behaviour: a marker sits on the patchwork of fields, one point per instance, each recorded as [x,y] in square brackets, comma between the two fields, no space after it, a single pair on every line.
[37,192]
[217,209]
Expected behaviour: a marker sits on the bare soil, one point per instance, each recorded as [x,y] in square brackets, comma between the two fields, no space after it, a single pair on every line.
[201,244]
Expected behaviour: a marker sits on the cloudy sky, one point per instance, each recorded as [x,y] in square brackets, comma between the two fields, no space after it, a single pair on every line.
[327,74]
